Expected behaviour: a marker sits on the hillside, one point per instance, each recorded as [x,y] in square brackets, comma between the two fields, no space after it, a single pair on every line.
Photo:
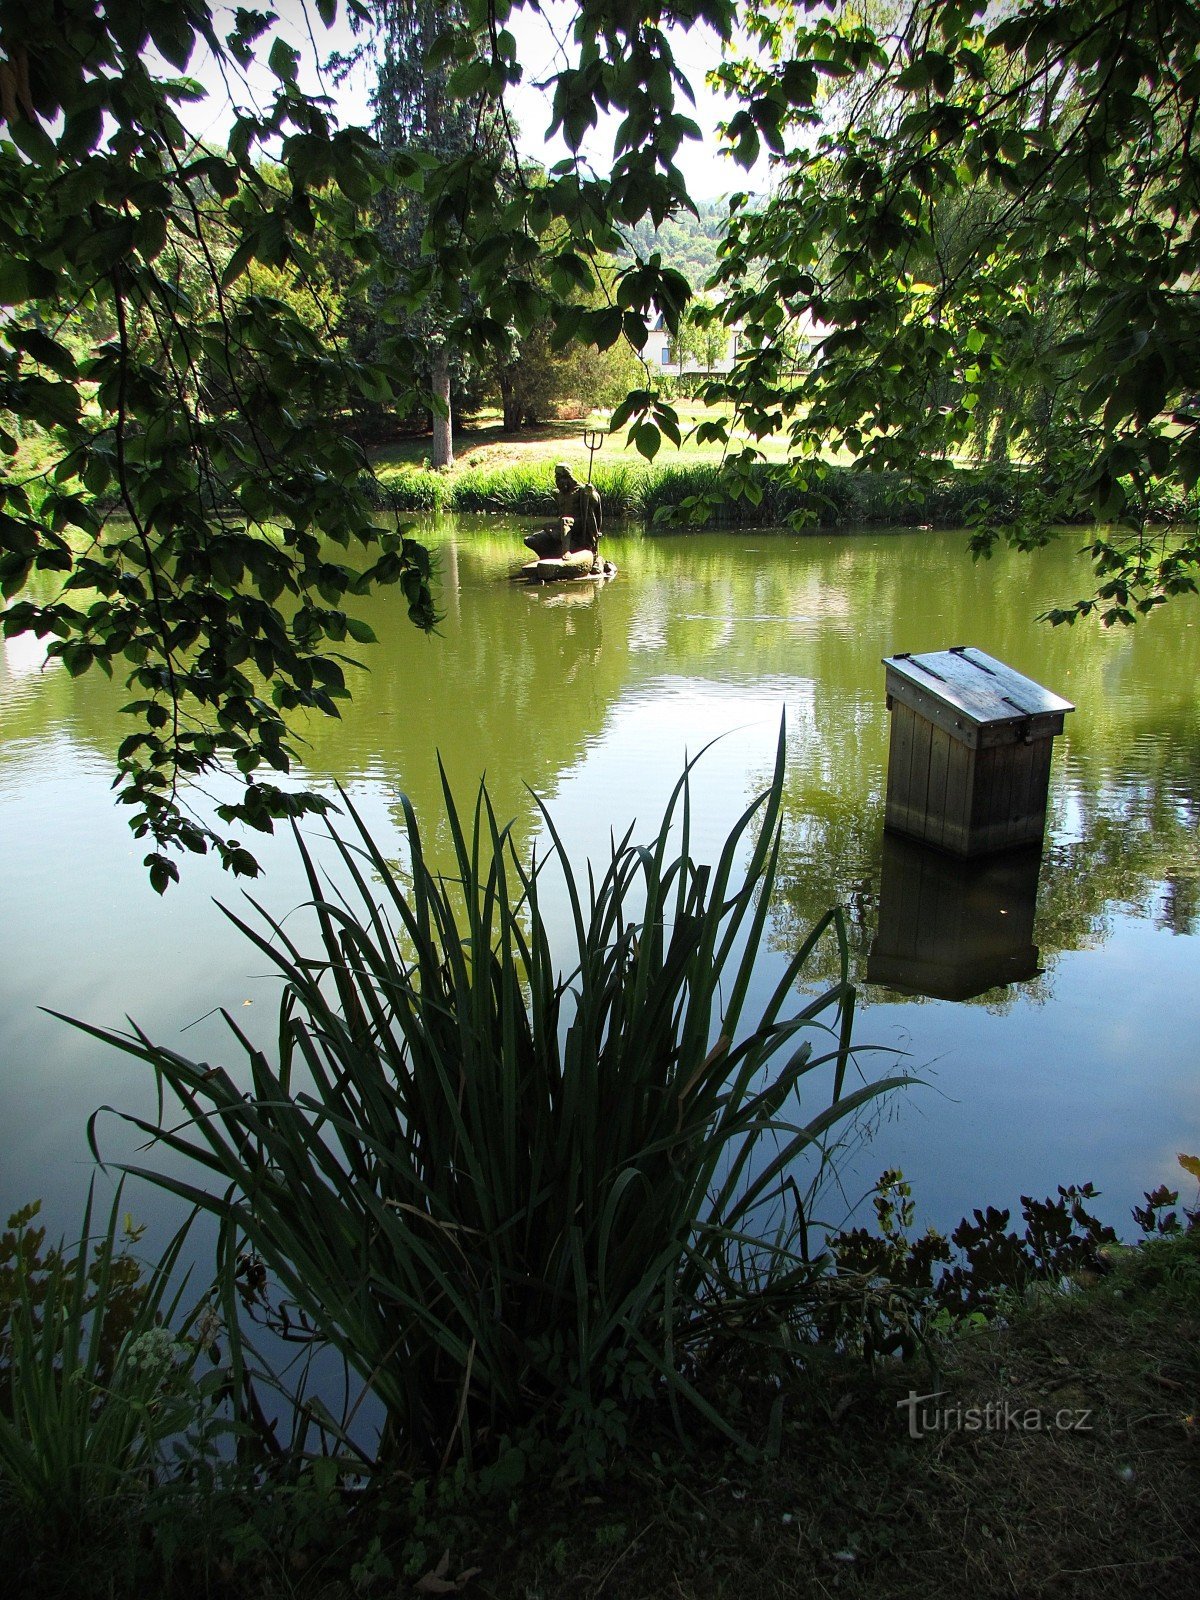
[687,243]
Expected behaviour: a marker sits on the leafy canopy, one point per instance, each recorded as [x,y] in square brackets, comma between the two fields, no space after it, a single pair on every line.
[201,474]
[987,217]
[992,217]
[984,217]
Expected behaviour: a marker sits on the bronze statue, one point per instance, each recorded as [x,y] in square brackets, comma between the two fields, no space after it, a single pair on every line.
[579,521]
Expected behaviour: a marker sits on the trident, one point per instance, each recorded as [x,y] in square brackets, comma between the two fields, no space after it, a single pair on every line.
[593,439]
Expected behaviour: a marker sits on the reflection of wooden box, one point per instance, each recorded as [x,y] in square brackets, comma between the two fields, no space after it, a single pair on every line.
[951,928]
[969,764]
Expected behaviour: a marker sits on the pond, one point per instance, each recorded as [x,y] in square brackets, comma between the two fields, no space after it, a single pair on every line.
[593,698]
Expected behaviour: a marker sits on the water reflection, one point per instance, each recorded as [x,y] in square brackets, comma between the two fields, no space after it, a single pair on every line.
[592,700]
[949,928]
[714,631]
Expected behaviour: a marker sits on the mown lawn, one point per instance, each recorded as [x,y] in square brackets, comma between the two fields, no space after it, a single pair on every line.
[482,441]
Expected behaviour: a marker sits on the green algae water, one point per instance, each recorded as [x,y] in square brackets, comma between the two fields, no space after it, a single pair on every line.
[591,698]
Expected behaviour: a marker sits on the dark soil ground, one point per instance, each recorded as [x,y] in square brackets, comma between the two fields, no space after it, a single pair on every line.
[1099,1499]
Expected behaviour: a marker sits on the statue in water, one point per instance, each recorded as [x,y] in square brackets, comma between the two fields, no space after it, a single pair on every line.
[575,532]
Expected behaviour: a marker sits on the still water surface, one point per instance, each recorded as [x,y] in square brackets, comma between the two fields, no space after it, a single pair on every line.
[593,698]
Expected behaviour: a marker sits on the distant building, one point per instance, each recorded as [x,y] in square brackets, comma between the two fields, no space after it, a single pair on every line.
[661,351]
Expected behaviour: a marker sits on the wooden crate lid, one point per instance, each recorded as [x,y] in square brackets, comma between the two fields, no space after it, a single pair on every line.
[975,685]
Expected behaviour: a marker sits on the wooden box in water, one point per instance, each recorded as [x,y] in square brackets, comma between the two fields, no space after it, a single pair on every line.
[969,764]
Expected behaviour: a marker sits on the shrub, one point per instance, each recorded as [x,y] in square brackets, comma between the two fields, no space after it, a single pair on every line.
[89,1378]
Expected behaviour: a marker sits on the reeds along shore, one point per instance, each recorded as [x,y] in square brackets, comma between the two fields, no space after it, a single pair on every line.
[675,498]
[650,493]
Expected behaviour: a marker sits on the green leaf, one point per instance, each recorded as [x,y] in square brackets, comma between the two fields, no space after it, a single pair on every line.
[917,75]
[23,280]
[163,871]
[243,255]
[172,35]
[283,61]
[470,79]
[33,140]
[646,440]
[81,131]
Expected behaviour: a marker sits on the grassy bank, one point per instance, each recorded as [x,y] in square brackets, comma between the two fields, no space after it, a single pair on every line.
[663,494]
[500,472]
[849,1504]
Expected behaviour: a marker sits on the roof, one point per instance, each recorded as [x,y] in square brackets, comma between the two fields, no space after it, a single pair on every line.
[978,686]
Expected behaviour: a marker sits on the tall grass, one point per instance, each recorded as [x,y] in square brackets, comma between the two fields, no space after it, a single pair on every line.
[679,496]
[514,489]
[521,490]
[505,1186]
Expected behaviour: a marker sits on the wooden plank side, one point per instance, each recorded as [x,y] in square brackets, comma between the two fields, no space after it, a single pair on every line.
[1027,805]
[982,801]
[1033,801]
[1016,815]
[956,807]
[1029,825]
[1010,778]
[993,786]
[918,783]
[967,801]
[1043,752]
[899,767]
[935,805]
[896,714]
[980,815]
[1022,819]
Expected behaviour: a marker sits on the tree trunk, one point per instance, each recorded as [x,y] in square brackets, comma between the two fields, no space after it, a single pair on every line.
[509,400]
[443,426]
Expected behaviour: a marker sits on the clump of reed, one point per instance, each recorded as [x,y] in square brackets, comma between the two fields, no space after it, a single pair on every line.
[507,1183]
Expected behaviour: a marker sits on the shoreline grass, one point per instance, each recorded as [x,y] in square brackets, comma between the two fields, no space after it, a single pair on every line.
[683,489]
[687,496]
[848,1504]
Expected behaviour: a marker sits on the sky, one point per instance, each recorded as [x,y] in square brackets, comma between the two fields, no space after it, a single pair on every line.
[708,173]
